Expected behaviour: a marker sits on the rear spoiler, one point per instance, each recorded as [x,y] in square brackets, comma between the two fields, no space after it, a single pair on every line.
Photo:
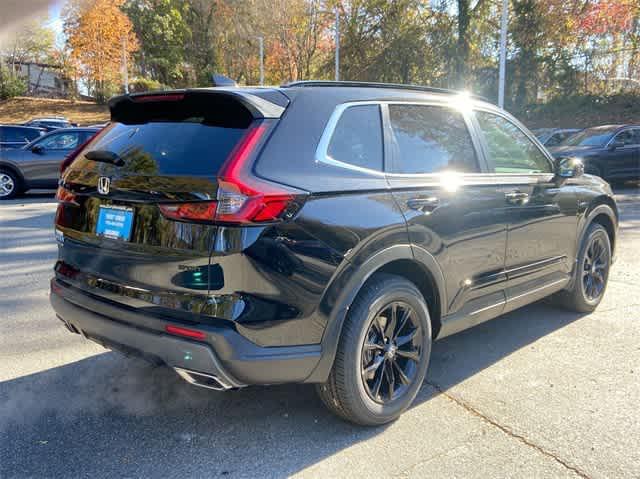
[260,103]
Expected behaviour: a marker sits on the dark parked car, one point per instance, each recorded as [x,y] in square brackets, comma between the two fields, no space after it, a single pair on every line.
[611,151]
[50,124]
[37,164]
[15,136]
[318,232]
[554,136]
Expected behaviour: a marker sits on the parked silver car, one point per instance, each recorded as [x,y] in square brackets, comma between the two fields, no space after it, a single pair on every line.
[37,164]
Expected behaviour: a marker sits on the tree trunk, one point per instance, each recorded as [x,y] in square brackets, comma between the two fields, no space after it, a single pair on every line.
[462,56]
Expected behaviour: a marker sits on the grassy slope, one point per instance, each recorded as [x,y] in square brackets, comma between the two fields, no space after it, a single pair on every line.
[20,109]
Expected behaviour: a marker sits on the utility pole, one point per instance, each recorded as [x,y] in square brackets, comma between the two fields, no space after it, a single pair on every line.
[337,44]
[503,52]
[261,44]
[125,70]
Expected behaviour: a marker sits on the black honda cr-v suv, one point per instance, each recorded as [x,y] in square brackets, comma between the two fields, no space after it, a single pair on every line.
[318,232]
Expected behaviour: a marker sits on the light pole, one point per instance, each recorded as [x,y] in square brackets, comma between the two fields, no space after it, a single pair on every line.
[125,70]
[337,44]
[261,45]
[503,52]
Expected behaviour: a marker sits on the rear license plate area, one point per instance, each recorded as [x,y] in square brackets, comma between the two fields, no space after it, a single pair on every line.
[115,222]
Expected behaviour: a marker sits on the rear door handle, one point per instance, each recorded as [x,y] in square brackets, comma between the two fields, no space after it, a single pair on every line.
[517,197]
[426,205]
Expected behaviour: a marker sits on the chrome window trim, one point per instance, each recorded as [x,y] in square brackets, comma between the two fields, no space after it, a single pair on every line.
[322,155]
[322,151]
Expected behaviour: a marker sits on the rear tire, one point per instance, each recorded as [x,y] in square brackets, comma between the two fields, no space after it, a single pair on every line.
[10,184]
[380,362]
[592,272]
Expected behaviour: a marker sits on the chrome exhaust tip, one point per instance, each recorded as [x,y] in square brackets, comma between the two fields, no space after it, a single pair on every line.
[203,380]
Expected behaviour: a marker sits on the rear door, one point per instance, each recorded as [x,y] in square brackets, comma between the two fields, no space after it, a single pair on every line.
[541,213]
[622,160]
[450,204]
[41,165]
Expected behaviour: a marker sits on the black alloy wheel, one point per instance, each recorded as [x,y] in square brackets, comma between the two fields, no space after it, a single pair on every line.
[391,352]
[592,272]
[595,268]
[383,353]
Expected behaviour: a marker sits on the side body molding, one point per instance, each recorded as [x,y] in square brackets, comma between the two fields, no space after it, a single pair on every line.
[344,288]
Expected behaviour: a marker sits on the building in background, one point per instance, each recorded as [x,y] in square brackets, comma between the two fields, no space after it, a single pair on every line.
[42,79]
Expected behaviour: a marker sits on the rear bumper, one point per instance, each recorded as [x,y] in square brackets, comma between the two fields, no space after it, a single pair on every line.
[225,355]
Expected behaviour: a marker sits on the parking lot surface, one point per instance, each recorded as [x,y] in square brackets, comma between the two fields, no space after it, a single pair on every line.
[540,392]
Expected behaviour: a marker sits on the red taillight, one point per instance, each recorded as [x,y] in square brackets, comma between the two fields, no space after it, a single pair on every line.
[63,195]
[185,332]
[74,154]
[242,197]
[201,211]
[66,203]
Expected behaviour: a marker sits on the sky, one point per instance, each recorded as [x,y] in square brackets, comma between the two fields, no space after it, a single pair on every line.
[15,13]
[55,22]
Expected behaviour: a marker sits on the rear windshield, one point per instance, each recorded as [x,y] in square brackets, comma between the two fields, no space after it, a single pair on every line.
[167,148]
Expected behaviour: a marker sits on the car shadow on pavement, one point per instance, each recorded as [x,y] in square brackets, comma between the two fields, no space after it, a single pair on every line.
[108,415]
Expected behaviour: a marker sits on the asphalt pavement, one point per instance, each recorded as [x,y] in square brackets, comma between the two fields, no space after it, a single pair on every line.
[540,392]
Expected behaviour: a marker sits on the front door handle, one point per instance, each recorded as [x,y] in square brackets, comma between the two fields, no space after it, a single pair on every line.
[517,197]
[426,205]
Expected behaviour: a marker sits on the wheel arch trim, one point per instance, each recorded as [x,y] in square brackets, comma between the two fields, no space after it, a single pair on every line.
[13,168]
[602,205]
[348,284]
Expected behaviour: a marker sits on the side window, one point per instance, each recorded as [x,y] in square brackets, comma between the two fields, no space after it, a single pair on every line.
[9,134]
[61,141]
[14,135]
[510,150]
[625,138]
[357,138]
[430,139]
[555,139]
[636,136]
[31,135]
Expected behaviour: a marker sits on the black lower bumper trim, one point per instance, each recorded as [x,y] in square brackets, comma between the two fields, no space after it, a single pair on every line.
[227,355]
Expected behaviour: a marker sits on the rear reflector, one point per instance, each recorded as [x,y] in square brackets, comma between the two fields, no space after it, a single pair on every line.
[185,332]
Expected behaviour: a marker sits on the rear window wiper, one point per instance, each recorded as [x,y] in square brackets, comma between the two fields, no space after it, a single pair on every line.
[104,156]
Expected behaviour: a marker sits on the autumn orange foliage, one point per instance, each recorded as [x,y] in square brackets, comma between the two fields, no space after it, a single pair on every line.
[609,16]
[97,34]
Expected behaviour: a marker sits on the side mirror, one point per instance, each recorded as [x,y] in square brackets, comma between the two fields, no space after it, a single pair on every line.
[37,149]
[569,168]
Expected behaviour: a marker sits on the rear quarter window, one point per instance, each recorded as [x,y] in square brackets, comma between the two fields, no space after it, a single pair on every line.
[357,138]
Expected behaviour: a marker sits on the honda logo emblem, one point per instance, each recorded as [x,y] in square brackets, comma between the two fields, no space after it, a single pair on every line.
[104,183]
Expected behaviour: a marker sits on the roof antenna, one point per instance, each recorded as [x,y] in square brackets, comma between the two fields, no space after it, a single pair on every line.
[221,80]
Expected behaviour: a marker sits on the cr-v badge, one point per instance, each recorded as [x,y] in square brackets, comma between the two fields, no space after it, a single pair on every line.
[103,185]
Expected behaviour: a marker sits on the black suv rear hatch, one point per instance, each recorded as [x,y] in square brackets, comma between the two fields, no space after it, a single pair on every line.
[141,204]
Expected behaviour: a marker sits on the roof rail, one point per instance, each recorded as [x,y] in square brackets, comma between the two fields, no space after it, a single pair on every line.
[358,84]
